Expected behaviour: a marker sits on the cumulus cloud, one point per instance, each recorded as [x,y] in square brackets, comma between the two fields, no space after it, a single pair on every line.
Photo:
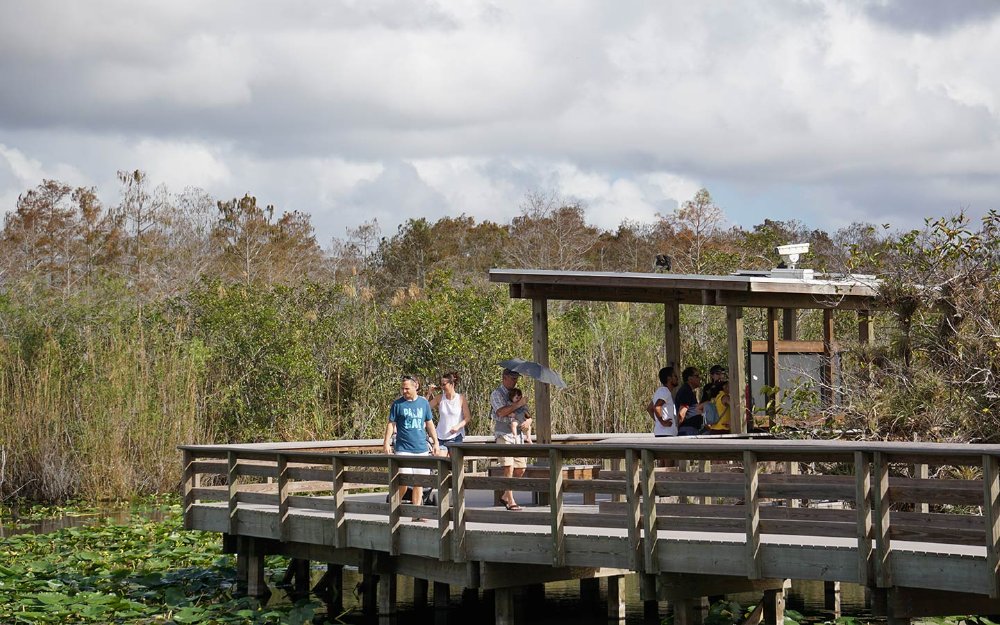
[880,110]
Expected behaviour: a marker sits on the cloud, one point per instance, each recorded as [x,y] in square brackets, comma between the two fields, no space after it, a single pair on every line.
[397,109]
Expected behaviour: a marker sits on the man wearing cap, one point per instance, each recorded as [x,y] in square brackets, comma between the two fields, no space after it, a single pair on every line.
[503,415]
[716,375]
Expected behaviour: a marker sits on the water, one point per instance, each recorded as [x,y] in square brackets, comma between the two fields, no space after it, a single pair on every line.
[564,606]
[46,526]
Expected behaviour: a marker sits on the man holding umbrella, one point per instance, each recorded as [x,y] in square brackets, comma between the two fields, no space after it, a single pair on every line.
[502,412]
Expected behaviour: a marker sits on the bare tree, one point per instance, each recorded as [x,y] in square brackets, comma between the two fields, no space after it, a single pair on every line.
[551,233]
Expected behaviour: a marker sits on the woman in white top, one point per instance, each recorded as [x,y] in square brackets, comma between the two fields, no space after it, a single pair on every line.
[453,411]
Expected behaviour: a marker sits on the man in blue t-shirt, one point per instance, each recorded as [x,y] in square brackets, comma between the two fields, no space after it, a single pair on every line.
[410,419]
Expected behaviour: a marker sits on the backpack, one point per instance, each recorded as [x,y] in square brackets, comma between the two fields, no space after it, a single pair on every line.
[711,413]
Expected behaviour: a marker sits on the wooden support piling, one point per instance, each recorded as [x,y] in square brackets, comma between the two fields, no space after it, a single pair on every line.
[420,593]
[616,598]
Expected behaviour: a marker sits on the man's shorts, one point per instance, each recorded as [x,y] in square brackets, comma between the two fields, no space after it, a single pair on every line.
[508,461]
[413,470]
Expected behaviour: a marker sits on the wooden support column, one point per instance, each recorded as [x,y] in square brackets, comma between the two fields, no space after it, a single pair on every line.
[420,588]
[866,327]
[690,610]
[339,509]
[192,480]
[651,562]
[789,324]
[503,602]
[991,516]
[558,521]
[650,602]
[256,584]
[458,510]
[774,607]
[369,596]
[282,462]
[737,369]
[386,594]
[616,598]
[831,598]
[633,498]
[751,504]
[826,371]
[442,595]
[540,351]
[772,364]
[863,506]
[330,589]
[880,514]
[672,335]
[395,501]
[590,590]
[444,509]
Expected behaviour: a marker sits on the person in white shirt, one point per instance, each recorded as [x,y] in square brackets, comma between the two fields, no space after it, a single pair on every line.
[453,411]
[662,408]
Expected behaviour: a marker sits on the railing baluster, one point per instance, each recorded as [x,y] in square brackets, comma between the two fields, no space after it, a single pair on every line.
[650,562]
[991,517]
[751,504]
[863,505]
[458,510]
[880,512]
[231,476]
[282,461]
[395,501]
[339,507]
[633,496]
[556,507]
[444,509]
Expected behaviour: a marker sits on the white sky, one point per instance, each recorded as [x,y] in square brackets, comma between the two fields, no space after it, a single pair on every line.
[826,112]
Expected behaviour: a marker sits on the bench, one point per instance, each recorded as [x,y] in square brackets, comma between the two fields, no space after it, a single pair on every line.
[569,471]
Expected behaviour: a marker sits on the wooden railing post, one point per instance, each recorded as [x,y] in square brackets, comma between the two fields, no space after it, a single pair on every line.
[556,507]
[232,475]
[863,505]
[191,482]
[633,498]
[751,500]
[991,517]
[921,471]
[395,500]
[880,512]
[339,505]
[650,561]
[282,462]
[458,510]
[444,508]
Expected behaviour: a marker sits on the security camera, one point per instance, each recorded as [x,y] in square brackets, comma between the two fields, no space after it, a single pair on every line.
[790,253]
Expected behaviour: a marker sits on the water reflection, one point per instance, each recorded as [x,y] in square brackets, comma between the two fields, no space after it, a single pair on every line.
[45,526]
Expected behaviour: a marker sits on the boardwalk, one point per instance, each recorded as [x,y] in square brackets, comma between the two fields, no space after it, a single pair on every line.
[916,523]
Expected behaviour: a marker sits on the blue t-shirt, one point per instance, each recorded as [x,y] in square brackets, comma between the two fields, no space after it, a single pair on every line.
[409,417]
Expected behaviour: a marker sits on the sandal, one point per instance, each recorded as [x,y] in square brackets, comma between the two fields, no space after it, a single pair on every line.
[512,506]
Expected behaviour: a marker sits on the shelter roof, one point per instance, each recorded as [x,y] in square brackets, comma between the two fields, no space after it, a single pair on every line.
[751,289]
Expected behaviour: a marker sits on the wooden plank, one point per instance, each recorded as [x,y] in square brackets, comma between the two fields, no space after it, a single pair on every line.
[210,493]
[395,503]
[881,503]
[556,507]
[540,351]
[375,478]
[789,325]
[788,347]
[751,502]
[458,510]
[444,510]
[310,473]
[649,526]
[213,467]
[737,368]
[991,521]
[338,501]
[633,497]
[282,467]
[863,509]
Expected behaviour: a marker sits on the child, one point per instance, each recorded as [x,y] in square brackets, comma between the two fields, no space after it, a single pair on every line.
[520,415]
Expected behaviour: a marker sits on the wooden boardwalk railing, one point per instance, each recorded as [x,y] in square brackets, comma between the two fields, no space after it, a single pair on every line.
[864,523]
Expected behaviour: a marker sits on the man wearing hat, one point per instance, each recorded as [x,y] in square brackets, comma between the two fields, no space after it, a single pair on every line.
[502,412]
[716,376]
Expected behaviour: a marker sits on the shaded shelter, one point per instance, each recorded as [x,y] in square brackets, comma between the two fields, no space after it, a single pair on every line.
[777,290]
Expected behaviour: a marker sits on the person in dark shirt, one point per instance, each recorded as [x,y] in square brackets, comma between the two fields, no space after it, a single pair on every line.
[686,400]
